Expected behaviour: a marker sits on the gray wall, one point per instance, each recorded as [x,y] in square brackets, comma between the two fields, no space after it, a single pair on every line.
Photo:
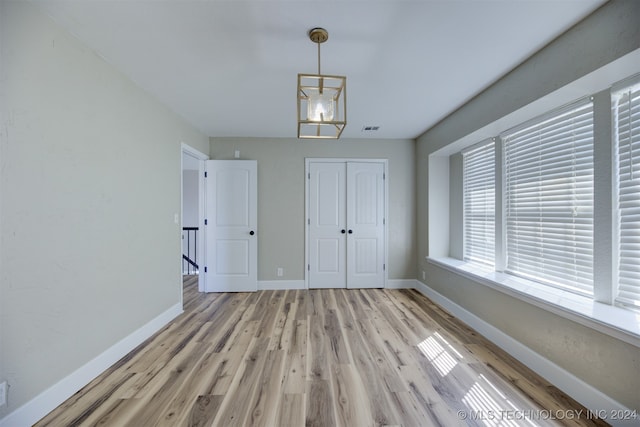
[190,195]
[609,365]
[281,189]
[90,183]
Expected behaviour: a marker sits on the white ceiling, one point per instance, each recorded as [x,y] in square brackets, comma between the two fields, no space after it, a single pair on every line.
[230,67]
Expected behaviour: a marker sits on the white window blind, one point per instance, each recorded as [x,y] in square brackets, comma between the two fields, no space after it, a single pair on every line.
[479,203]
[626,109]
[548,166]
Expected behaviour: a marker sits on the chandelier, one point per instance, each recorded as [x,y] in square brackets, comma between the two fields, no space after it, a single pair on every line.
[322,99]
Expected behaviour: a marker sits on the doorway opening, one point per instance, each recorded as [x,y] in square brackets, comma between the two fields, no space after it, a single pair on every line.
[192,216]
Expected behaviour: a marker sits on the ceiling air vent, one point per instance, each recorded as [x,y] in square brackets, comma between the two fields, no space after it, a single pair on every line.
[370,128]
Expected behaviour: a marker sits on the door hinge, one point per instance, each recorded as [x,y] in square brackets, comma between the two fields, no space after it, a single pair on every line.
[205,269]
[384,175]
[384,267]
[206,222]
[308,267]
[205,174]
[309,175]
[308,221]
[384,221]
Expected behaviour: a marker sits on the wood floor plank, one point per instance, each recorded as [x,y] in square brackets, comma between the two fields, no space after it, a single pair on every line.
[204,410]
[319,403]
[295,358]
[234,358]
[285,322]
[117,414]
[296,361]
[317,360]
[234,411]
[263,411]
[165,386]
[377,391]
[336,345]
[352,405]
[102,389]
[291,411]
[177,410]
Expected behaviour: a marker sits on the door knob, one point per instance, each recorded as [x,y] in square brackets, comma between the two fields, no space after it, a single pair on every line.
[350,231]
[343,231]
[252,232]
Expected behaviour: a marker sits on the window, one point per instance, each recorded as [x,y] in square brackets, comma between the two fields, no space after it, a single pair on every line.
[626,113]
[548,169]
[479,203]
[566,208]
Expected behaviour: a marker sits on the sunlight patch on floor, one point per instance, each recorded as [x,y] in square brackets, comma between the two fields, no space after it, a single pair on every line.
[489,405]
[439,352]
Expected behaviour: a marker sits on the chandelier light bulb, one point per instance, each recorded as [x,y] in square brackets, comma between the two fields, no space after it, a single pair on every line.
[320,107]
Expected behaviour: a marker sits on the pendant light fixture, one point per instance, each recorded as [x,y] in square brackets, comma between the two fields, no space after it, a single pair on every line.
[322,99]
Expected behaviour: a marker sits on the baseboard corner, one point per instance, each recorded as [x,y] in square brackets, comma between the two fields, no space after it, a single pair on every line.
[401,284]
[35,409]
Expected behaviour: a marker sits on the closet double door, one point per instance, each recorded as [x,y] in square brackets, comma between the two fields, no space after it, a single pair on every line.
[346,224]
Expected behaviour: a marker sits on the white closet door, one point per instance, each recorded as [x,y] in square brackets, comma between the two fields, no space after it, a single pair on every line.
[231,215]
[327,230]
[346,203]
[365,224]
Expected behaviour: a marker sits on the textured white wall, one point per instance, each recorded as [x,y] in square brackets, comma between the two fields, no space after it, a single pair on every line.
[90,183]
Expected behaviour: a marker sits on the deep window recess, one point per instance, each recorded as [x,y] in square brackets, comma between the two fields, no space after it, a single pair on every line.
[548,168]
[626,113]
[479,203]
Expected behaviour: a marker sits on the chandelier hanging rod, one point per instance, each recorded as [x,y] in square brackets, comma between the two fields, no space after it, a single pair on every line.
[318,36]
[321,99]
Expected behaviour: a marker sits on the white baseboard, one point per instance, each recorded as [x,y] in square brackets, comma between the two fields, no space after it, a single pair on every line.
[401,284]
[32,411]
[280,285]
[283,285]
[592,398]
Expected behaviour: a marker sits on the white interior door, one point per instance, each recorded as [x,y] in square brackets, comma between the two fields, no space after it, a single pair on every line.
[346,209]
[365,222]
[327,230]
[231,219]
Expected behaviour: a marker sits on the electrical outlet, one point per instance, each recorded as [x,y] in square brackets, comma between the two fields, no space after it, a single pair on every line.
[280,272]
[3,393]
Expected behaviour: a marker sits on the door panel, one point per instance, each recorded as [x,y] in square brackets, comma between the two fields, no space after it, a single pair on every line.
[231,212]
[232,257]
[326,222]
[232,193]
[346,224]
[365,221]
[328,255]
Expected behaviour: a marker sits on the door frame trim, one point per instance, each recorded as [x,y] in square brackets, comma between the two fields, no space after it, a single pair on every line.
[187,150]
[307,162]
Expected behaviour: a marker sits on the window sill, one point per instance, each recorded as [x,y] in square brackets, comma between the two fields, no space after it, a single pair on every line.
[618,322]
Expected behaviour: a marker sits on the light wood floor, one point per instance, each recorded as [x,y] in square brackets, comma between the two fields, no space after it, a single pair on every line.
[316,358]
